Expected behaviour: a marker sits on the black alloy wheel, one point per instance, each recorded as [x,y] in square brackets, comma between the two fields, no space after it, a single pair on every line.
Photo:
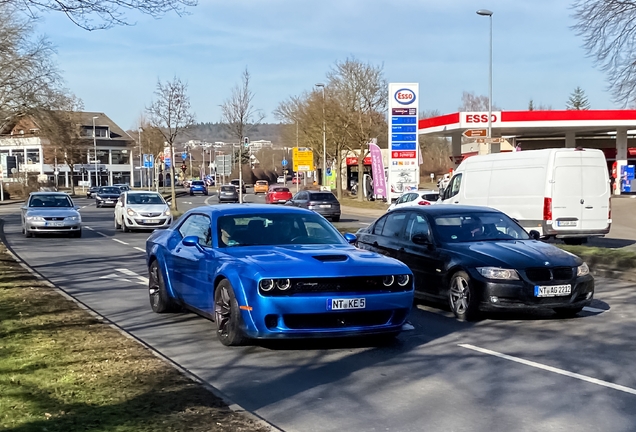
[160,301]
[227,315]
[462,298]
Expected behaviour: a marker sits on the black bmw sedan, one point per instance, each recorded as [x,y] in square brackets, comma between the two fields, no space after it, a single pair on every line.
[478,259]
[107,196]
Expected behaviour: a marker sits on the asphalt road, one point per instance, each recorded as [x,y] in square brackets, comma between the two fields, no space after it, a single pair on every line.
[507,372]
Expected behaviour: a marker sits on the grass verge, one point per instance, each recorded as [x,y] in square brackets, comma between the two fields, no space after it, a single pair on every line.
[62,370]
[614,259]
[353,202]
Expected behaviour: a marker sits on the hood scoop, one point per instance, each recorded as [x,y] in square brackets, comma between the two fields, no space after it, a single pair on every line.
[331,258]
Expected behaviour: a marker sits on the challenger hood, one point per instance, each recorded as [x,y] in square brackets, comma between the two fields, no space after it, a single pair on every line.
[517,254]
[315,261]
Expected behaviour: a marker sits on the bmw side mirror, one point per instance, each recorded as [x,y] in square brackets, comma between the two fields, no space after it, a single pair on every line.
[534,235]
[350,238]
[421,239]
[190,241]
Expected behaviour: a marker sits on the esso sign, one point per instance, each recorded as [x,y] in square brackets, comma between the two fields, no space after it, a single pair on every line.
[405,96]
[480,118]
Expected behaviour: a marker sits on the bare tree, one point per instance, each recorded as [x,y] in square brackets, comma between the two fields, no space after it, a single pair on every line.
[472,102]
[100,14]
[239,116]
[608,31]
[63,130]
[28,77]
[360,92]
[170,114]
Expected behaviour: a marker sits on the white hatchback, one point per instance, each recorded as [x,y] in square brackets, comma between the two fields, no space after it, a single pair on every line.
[142,210]
[413,198]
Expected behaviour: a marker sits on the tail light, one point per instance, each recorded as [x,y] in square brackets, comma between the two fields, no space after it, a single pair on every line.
[547,209]
[423,203]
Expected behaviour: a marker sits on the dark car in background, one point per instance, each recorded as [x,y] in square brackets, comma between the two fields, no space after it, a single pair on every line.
[228,193]
[91,191]
[107,196]
[198,186]
[324,203]
[478,259]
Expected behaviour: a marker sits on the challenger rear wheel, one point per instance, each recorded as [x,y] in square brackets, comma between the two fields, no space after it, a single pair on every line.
[160,301]
[227,315]
[461,297]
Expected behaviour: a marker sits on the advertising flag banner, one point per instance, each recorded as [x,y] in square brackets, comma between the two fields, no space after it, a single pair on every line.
[377,171]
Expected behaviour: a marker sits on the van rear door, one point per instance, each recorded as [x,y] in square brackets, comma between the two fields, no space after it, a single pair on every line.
[567,192]
[595,191]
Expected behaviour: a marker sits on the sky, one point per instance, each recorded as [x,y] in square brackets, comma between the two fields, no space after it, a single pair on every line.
[290,45]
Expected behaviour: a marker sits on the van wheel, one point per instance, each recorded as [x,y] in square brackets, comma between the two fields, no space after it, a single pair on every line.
[462,298]
[575,241]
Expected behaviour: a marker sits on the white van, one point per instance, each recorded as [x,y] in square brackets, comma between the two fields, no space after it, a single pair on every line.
[563,193]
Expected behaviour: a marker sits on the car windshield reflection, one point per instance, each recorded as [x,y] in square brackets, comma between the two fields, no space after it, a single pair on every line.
[50,201]
[275,229]
[150,198]
[471,227]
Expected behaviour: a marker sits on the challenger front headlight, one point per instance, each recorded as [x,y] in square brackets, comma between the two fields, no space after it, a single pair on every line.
[498,273]
[131,212]
[34,218]
[582,270]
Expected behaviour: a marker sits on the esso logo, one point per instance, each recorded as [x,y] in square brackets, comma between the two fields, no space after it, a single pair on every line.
[480,118]
[405,96]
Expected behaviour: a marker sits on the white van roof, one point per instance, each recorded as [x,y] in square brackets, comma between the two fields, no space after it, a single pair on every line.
[544,154]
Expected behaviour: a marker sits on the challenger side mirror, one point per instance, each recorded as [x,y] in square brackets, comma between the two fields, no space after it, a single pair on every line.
[350,238]
[190,241]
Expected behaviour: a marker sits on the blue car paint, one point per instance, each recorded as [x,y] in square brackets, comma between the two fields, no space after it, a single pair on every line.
[198,188]
[245,266]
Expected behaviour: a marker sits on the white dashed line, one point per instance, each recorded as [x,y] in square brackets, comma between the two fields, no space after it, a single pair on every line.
[110,277]
[119,241]
[89,228]
[593,310]
[141,280]
[100,233]
[551,369]
[140,249]
[363,223]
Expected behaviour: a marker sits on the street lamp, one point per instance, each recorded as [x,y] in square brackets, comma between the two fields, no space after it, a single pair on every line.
[95,149]
[324,137]
[486,12]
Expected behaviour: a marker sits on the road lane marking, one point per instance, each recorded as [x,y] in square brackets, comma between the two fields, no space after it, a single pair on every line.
[110,277]
[140,249]
[100,233]
[363,223]
[207,200]
[89,228]
[551,369]
[141,280]
[119,241]
[593,310]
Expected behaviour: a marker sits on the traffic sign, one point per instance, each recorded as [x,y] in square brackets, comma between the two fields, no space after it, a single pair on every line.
[284,162]
[488,140]
[223,164]
[149,160]
[184,155]
[474,133]
[303,159]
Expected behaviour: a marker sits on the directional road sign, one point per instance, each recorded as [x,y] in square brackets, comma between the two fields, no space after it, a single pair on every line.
[303,159]
[475,133]
[223,164]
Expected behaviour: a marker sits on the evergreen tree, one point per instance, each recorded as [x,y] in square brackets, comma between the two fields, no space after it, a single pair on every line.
[578,100]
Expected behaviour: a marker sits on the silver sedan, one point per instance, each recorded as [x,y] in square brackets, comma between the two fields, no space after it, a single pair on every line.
[51,212]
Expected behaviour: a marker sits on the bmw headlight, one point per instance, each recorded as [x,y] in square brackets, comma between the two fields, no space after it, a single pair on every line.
[498,273]
[34,218]
[166,213]
[582,270]
[131,212]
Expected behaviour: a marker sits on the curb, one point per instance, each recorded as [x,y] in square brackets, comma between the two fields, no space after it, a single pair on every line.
[606,272]
[233,406]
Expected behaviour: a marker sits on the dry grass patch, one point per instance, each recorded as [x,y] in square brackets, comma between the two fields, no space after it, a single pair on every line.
[63,370]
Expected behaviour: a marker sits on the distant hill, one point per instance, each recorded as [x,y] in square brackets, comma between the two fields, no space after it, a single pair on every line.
[211,132]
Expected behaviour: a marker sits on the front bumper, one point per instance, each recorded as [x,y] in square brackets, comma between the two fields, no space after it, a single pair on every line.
[517,295]
[140,222]
[53,226]
[302,316]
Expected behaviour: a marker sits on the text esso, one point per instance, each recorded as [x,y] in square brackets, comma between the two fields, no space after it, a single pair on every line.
[479,118]
[405,96]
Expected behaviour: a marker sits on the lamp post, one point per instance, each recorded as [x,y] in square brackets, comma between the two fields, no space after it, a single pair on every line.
[95,149]
[486,12]
[324,137]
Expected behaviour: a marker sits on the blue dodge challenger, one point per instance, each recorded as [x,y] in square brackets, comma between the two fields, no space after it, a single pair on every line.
[263,272]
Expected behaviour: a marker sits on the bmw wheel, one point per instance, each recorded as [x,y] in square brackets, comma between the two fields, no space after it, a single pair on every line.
[160,301]
[462,298]
[227,315]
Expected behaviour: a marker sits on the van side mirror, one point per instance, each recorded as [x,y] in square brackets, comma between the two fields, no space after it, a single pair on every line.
[534,235]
